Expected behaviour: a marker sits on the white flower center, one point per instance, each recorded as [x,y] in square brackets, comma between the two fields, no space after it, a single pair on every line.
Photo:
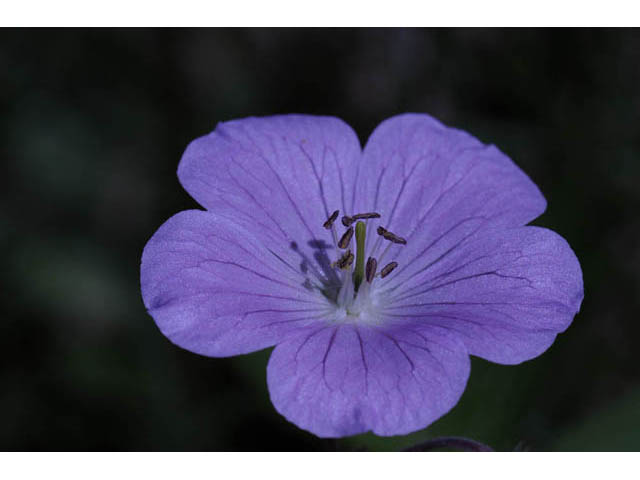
[365,307]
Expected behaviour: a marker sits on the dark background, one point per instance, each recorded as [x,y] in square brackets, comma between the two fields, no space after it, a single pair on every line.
[94,123]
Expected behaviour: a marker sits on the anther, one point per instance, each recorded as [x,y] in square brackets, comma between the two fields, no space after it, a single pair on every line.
[363,216]
[329,223]
[346,238]
[388,269]
[347,221]
[345,261]
[372,264]
[392,237]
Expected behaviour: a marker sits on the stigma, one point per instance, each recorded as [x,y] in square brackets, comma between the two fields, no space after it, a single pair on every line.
[358,273]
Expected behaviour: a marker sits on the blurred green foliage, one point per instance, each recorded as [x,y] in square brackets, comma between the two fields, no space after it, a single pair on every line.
[94,123]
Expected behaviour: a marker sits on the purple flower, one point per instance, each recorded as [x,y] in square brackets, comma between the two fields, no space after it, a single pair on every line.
[373,310]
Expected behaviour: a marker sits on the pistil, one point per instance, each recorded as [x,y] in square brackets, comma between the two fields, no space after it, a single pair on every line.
[361,229]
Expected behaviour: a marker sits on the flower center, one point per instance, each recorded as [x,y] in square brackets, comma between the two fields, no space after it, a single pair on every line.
[356,295]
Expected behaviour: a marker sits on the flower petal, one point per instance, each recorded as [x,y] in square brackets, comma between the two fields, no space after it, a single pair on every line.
[506,293]
[216,288]
[425,178]
[343,380]
[286,174]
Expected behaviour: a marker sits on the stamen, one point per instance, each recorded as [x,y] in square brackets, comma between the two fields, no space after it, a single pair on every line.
[347,221]
[364,216]
[329,223]
[388,269]
[374,250]
[346,238]
[345,261]
[354,294]
[345,295]
[392,237]
[386,250]
[372,264]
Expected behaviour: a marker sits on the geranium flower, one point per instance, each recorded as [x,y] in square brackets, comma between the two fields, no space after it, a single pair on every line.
[375,273]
